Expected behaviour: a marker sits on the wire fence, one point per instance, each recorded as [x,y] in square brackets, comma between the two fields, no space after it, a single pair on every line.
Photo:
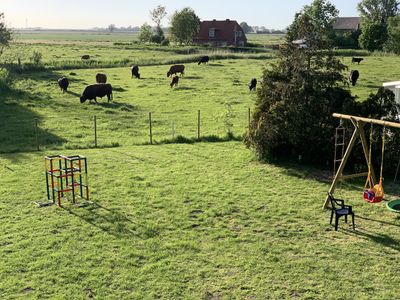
[139,128]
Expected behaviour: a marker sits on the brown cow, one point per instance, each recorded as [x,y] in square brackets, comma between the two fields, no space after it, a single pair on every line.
[93,91]
[176,69]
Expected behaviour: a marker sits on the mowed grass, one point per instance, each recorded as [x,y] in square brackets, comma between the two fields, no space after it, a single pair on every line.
[65,122]
[202,221]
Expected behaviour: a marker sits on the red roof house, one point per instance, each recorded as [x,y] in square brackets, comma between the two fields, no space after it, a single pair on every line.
[220,33]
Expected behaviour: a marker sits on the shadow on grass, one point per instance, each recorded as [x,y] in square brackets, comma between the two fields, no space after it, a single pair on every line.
[184,88]
[204,139]
[110,221]
[18,124]
[378,221]
[215,65]
[116,105]
[382,239]
[74,94]
[119,89]
[193,77]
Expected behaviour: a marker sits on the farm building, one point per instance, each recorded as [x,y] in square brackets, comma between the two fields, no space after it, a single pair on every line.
[220,33]
[347,24]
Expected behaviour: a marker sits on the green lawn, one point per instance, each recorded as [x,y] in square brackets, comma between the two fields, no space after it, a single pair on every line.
[202,221]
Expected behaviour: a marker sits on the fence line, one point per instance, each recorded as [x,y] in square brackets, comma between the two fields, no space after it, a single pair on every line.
[75,132]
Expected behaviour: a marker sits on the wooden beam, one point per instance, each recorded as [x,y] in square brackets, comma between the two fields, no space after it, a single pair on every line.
[343,177]
[342,164]
[367,120]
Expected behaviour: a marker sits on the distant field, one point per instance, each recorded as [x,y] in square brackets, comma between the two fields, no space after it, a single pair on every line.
[102,37]
[266,39]
[64,36]
[61,50]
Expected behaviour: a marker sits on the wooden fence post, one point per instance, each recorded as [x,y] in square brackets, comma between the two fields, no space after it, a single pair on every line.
[37,135]
[95,131]
[249,118]
[151,130]
[198,124]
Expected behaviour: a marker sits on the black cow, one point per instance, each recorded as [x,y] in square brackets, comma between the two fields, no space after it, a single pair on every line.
[135,71]
[356,60]
[97,90]
[63,83]
[253,84]
[85,56]
[101,78]
[174,81]
[353,77]
[176,69]
[204,60]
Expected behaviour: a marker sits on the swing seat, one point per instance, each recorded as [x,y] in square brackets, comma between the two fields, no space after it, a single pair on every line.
[374,195]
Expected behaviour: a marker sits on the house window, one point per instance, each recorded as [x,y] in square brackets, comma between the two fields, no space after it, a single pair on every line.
[211,32]
[239,33]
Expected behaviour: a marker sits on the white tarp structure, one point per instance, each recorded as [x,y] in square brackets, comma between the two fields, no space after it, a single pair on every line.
[394,86]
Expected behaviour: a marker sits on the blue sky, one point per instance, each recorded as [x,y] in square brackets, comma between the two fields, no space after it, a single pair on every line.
[80,14]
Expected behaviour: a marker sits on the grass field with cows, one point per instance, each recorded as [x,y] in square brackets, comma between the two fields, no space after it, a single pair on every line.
[202,220]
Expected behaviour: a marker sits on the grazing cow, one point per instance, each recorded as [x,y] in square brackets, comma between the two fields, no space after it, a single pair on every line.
[86,56]
[356,60]
[176,69]
[63,83]
[253,84]
[97,90]
[135,71]
[353,77]
[175,81]
[101,78]
[204,60]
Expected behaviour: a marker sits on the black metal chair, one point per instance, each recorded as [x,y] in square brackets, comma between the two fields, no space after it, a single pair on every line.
[340,209]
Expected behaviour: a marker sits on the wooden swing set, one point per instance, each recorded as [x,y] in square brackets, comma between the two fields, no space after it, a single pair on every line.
[359,123]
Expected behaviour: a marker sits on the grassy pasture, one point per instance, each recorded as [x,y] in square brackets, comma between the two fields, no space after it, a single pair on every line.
[68,56]
[200,221]
[125,120]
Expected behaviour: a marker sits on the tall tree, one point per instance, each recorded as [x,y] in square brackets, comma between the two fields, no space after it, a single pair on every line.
[246,28]
[296,98]
[393,41]
[5,34]
[158,14]
[377,11]
[321,14]
[145,33]
[111,27]
[184,25]
[373,36]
